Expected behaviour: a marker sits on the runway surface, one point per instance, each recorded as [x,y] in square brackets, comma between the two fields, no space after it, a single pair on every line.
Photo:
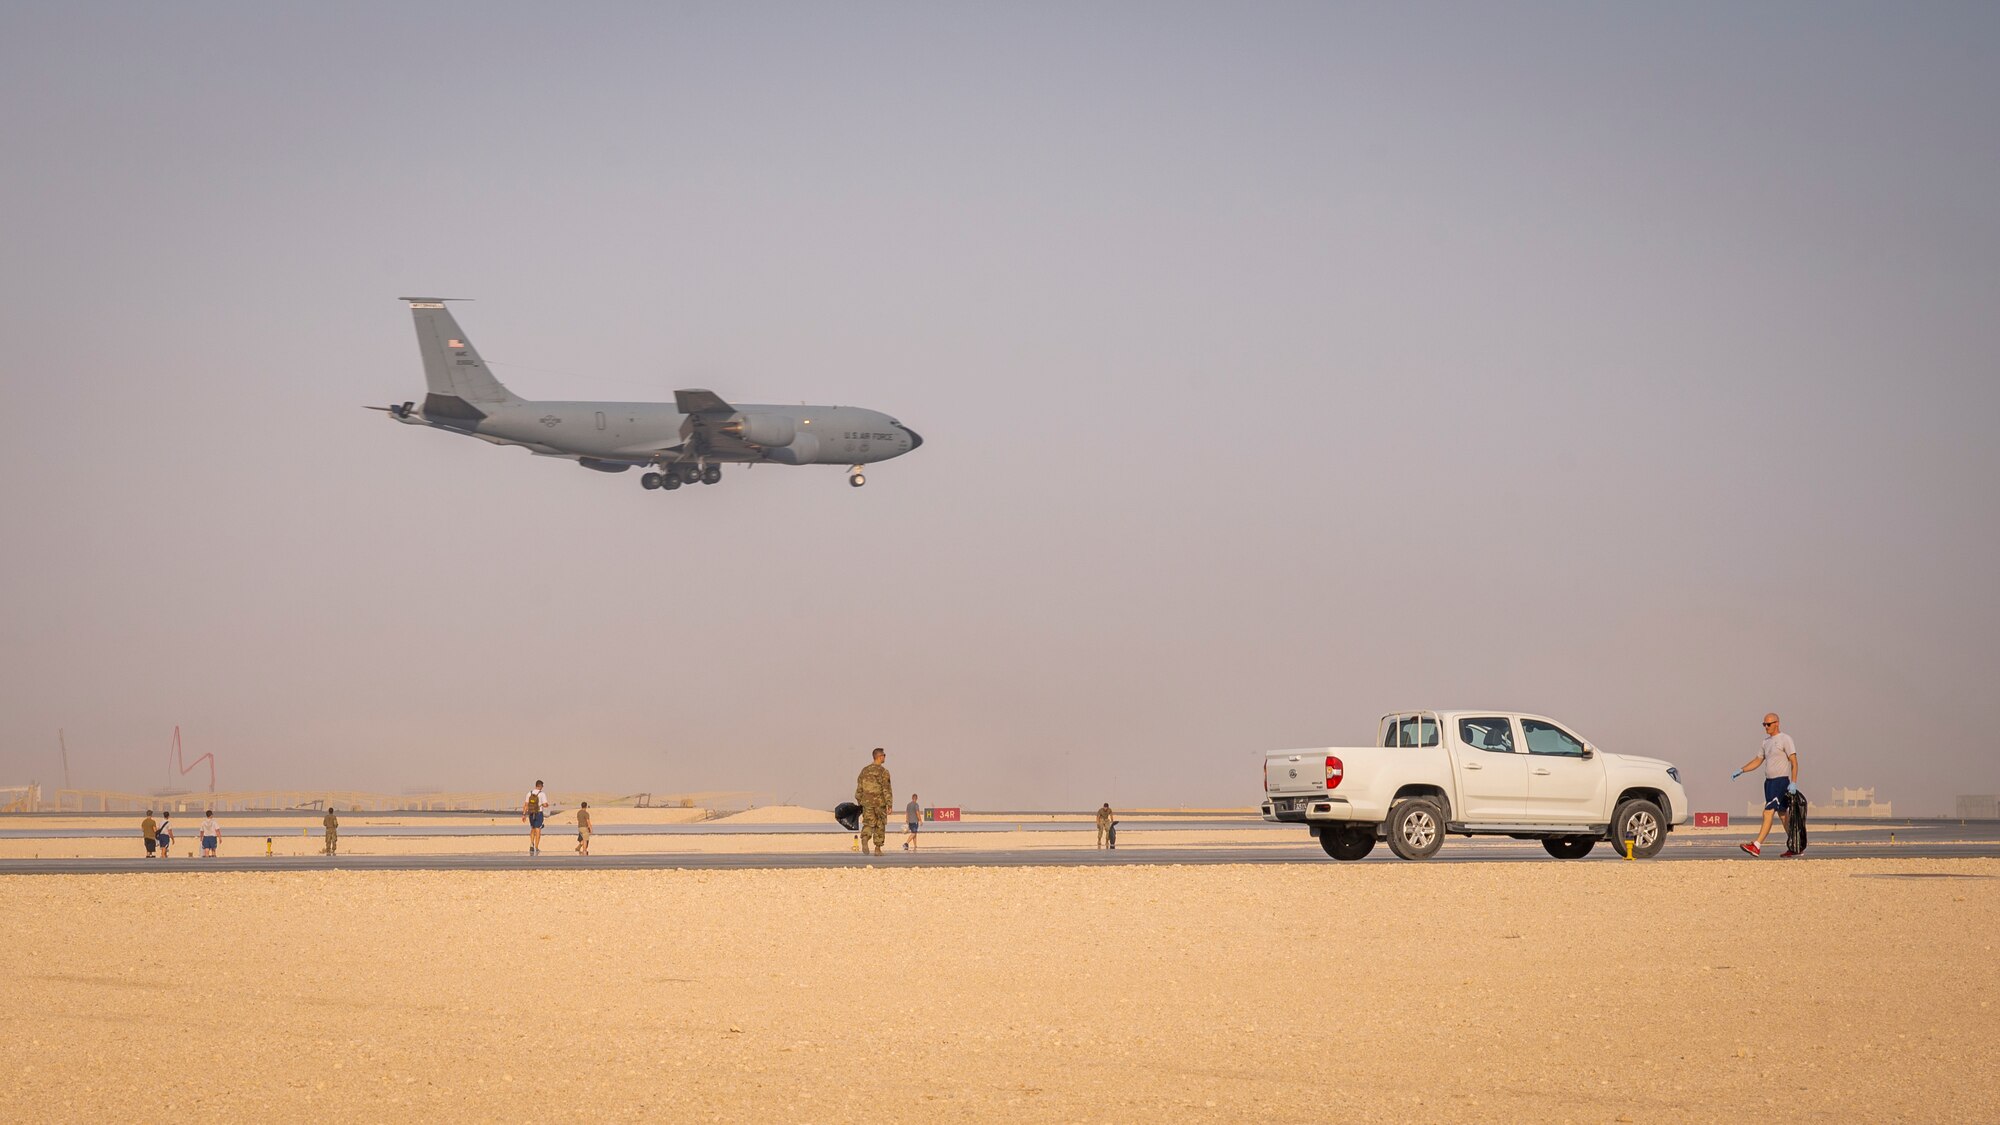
[710,828]
[1276,852]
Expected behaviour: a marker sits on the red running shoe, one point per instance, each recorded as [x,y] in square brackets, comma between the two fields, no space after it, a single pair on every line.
[1752,849]
[1788,854]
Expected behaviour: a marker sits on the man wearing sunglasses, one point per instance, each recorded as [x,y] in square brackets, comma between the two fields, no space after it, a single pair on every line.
[1781,772]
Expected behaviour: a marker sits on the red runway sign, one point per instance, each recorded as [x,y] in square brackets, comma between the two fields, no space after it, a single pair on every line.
[940,814]
[1711,820]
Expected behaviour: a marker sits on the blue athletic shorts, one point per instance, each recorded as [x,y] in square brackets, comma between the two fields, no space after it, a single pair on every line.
[208,843]
[534,820]
[1775,789]
[913,825]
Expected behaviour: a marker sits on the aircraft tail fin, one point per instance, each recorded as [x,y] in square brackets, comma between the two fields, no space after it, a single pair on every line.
[455,374]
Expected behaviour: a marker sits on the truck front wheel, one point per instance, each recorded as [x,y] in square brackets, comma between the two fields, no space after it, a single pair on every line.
[1641,822]
[1348,843]
[1569,847]
[1416,828]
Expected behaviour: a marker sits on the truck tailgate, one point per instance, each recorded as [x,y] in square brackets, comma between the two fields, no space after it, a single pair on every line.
[1302,771]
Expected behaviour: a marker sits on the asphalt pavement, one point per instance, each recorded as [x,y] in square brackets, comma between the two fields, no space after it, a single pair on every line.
[1919,840]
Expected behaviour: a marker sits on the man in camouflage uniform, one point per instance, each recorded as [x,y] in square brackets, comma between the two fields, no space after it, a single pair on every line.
[872,793]
[332,825]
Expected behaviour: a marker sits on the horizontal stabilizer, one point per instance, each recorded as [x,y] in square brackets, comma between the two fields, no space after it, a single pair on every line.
[701,402]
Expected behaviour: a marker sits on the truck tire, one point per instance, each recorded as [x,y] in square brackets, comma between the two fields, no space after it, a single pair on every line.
[1348,843]
[1641,822]
[1569,847]
[1416,828]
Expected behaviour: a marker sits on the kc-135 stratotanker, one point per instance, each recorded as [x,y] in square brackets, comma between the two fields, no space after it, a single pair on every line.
[686,441]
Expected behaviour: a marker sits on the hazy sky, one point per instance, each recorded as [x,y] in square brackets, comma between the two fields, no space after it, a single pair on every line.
[1278,366]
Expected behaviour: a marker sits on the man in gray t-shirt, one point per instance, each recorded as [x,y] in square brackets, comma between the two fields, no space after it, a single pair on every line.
[1780,760]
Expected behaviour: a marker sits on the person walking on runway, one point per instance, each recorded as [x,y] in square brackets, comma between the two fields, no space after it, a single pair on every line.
[534,808]
[1781,772]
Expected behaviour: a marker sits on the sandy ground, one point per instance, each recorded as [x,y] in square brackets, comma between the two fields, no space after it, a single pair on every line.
[1375,992]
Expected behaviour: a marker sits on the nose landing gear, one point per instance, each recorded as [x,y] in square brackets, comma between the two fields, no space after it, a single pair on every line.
[855,477]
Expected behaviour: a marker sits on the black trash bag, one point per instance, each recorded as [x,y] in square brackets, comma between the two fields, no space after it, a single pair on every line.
[1795,824]
[849,815]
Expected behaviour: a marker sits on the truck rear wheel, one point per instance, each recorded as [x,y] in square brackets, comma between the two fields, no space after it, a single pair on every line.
[1348,843]
[1641,822]
[1569,847]
[1416,828]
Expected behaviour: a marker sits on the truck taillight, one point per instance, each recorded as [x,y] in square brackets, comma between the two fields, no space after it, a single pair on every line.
[1334,772]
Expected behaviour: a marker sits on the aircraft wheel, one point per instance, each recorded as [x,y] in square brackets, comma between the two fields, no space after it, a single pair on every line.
[711,474]
[669,482]
[857,480]
[690,473]
[650,481]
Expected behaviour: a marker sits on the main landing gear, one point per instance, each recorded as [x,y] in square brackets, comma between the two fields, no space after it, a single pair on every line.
[673,476]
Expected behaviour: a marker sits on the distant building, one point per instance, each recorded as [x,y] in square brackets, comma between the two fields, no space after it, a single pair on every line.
[1842,803]
[1978,806]
[1854,802]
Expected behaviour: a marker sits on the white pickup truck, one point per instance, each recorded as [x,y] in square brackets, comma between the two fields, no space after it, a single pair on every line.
[1473,773]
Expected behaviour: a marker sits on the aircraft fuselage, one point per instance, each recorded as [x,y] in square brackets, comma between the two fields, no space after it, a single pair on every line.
[640,433]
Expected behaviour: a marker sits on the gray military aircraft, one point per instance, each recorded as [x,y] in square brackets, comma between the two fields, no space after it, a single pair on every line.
[682,442]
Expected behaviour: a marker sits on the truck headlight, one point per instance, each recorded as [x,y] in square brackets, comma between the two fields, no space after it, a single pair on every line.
[1674,772]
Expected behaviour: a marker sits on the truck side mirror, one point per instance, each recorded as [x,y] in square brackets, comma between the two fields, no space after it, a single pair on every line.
[1588,753]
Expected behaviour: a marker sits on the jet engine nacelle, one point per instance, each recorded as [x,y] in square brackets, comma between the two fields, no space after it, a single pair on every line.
[803,450]
[761,429]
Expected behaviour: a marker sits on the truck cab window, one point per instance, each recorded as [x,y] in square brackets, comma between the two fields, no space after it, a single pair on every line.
[1414,730]
[1492,732]
[1548,738]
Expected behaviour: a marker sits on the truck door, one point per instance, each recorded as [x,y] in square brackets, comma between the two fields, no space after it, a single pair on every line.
[1492,775]
[1565,785]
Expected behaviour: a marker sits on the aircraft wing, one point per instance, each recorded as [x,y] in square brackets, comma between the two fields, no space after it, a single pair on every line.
[701,402]
[701,430]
